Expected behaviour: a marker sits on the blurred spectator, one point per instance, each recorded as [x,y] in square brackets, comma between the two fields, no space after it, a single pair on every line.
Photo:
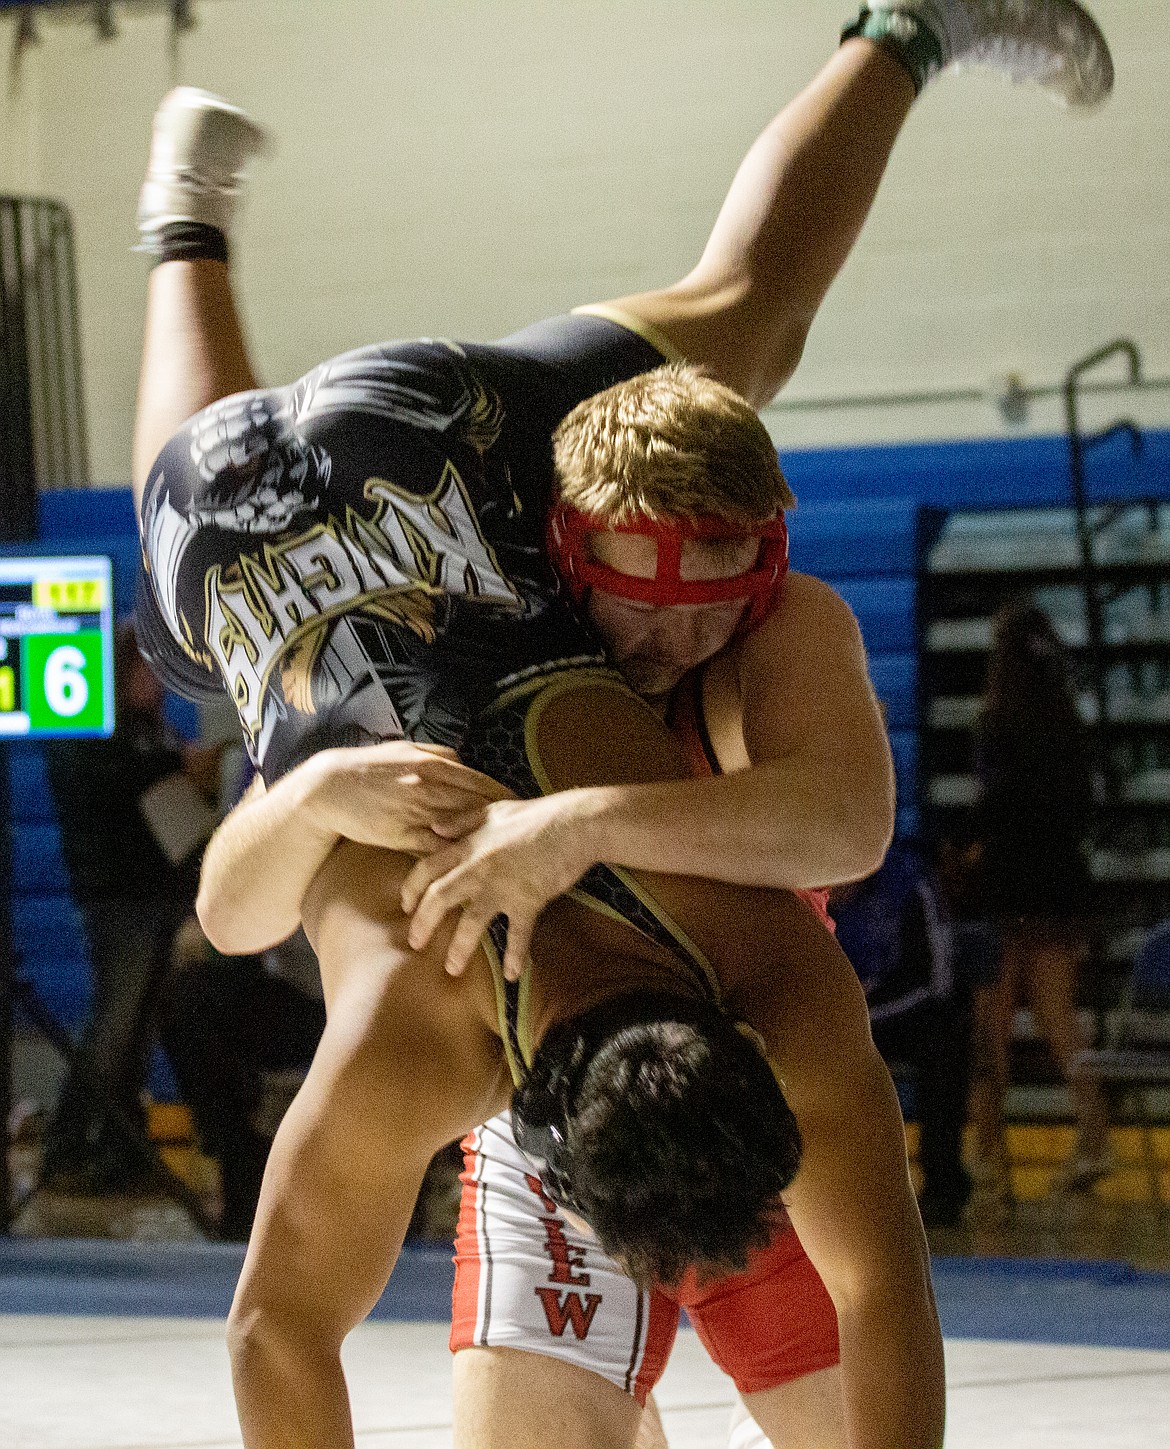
[240,1032]
[127,805]
[1035,769]
[895,929]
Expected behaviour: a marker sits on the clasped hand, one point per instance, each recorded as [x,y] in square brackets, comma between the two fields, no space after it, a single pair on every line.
[510,858]
[398,795]
[482,851]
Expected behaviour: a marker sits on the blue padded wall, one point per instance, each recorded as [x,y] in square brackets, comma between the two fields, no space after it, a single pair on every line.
[895,678]
[857,527]
[80,512]
[95,520]
[885,609]
[867,548]
[981,474]
[843,538]
[28,784]
[48,928]
[54,953]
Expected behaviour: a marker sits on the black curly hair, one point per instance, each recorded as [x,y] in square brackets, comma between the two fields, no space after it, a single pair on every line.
[661,1123]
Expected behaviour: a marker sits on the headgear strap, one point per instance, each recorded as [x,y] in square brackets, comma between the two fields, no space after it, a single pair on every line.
[761,585]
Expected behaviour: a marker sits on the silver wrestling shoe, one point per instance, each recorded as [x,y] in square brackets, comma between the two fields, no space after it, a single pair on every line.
[1053,44]
[199,149]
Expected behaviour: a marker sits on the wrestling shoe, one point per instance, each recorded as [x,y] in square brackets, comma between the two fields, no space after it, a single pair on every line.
[1053,44]
[199,149]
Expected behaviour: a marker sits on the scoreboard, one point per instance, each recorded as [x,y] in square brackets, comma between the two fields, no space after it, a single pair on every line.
[56,646]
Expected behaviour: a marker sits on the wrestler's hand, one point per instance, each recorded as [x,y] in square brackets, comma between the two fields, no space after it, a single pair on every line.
[398,795]
[518,857]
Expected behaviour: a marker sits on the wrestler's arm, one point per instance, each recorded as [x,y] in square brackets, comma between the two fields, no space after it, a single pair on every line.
[852,1206]
[813,805]
[260,862]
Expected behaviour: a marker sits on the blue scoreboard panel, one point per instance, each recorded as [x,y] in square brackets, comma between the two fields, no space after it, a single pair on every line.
[56,646]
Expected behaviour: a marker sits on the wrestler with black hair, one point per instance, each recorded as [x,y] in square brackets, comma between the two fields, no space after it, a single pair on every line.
[641,1111]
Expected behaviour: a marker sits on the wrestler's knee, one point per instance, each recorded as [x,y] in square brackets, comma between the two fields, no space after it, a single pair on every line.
[746,336]
[260,1338]
[316,1264]
[277,1316]
[275,1334]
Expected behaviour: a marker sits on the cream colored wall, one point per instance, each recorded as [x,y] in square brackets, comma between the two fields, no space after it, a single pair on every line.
[462,167]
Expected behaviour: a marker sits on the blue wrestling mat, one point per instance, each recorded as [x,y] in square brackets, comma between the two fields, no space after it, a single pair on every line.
[181,1280]
[1040,1300]
[1013,1299]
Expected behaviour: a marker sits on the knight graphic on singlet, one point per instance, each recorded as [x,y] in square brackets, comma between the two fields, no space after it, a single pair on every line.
[360,556]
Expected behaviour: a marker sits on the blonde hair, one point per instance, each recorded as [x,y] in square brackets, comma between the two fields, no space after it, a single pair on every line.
[672,443]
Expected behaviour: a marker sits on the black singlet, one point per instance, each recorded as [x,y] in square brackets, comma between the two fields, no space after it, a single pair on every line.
[360,556]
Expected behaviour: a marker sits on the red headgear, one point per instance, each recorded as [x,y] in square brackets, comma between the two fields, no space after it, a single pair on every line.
[761,586]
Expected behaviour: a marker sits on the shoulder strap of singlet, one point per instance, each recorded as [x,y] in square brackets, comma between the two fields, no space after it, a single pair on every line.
[511,1003]
[688,719]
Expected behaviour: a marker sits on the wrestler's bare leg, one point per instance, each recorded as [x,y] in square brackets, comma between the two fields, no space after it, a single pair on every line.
[651,1434]
[408,1062]
[510,1399]
[805,1413]
[193,353]
[794,211]
[800,198]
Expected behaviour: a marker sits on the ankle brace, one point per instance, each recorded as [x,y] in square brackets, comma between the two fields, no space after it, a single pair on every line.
[191,241]
[912,44]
